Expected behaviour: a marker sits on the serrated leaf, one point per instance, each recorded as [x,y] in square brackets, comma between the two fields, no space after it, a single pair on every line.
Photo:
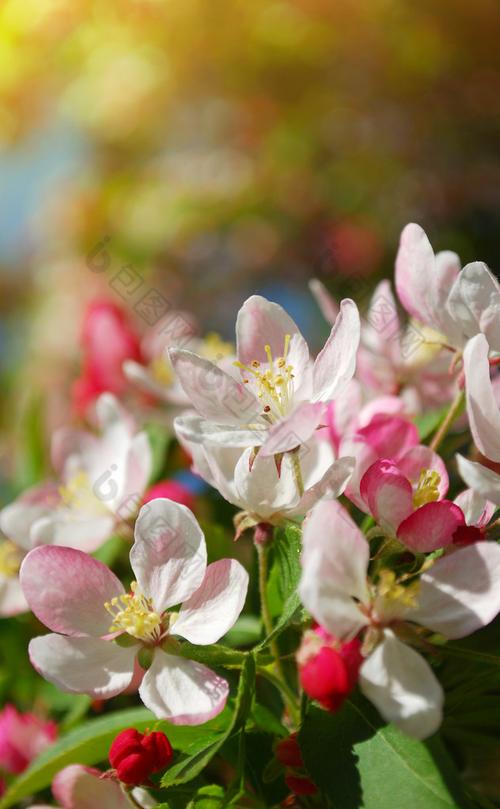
[196,756]
[375,766]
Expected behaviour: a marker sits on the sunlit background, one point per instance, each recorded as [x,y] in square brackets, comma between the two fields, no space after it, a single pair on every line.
[208,149]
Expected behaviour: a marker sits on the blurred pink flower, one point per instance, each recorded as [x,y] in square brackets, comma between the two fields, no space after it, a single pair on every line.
[22,737]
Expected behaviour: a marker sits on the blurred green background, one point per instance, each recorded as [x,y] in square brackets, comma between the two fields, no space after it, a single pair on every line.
[227,147]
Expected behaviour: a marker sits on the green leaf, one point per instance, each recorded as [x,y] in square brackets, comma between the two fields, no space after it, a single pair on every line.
[196,756]
[246,631]
[285,577]
[210,797]
[429,421]
[89,744]
[372,766]
[214,655]
[159,441]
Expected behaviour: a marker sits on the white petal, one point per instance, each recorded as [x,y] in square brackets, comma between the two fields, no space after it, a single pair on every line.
[326,302]
[200,431]
[78,787]
[336,362]
[482,408]
[260,489]
[213,393]
[12,600]
[214,608]
[169,555]
[138,467]
[474,303]
[334,564]
[182,691]
[259,323]
[403,688]
[91,666]
[480,478]
[73,529]
[461,591]
[477,510]
[332,484]
[293,430]
[17,519]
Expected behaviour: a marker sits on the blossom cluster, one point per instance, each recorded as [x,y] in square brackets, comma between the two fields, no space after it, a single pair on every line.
[392,567]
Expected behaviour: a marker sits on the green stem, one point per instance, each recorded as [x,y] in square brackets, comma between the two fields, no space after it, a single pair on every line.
[278,678]
[450,417]
[297,471]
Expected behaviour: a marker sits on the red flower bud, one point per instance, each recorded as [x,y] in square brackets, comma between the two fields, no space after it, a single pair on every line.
[300,785]
[287,751]
[135,756]
[328,670]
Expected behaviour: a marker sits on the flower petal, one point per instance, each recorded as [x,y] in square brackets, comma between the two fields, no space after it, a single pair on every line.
[200,431]
[66,589]
[482,408]
[68,527]
[334,564]
[336,362]
[326,302]
[414,268]
[461,591]
[294,430]
[387,493]
[431,526]
[213,393]
[477,511]
[418,458]
[169,555]
[402,687]
[480,478]
[474,303]
[182,691]
[390,436]
[259,323]
[78,787]
[12,600]
[214,608]
[332,484]
[18,518]
[91,666]
[137,471]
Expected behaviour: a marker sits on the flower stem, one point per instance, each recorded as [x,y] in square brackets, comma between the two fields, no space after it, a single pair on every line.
[450,417]
[279,676]
[297,471]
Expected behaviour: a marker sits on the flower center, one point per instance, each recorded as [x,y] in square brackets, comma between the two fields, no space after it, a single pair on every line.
[390,590]
[214,348]
[78,493]
[134,613]
[274,381]
[427,490]
[162,371]
[10,559]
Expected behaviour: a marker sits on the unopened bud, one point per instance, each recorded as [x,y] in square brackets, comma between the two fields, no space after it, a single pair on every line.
[136,756]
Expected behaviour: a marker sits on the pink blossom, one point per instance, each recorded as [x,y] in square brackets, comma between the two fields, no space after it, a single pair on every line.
[458,594]
[100,630]
[107,341]
[22,737]
[275,396]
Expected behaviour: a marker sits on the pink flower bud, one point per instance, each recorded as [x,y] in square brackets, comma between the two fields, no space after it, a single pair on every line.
[288,753]
[328,670]
[136,756]
[22,737]
[172,490]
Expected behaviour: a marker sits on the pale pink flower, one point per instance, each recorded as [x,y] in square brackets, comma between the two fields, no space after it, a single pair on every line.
[101,631]
[22,737]
[457,595]
[275,398]
[457,304]
[483,406]
[255,486]
[483,481]
[79,787]
[101,481]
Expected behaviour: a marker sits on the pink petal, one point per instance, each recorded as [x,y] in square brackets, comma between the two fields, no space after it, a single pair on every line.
[390,436]
[388,493]
[418,458]
[259,323]
[169,555]
[91,666]
[66,589]
[294,430]
[402,687]
[215,606]
[477,511]
[78,787]
[334,568]
[482,408]
[326,302]
[212,392]
[414,268]
[461,591]
[336,362]
[182,691]
[138,468]
[431,526]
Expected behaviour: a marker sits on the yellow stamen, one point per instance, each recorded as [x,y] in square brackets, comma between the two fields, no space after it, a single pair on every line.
[162,371]
[389,589]
[274,383]
[10,559]
[134,614]
[214,348]
[427,490]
